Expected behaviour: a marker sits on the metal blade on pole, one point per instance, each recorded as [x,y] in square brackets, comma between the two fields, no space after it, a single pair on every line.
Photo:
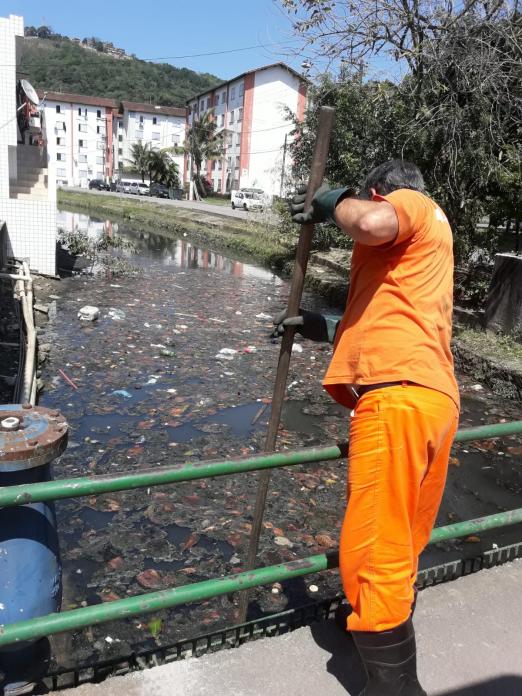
[322,143]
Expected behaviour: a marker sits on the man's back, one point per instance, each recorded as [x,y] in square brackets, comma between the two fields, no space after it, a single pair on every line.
[397,324]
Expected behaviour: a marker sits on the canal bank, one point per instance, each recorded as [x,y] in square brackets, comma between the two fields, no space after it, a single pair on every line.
[180,366]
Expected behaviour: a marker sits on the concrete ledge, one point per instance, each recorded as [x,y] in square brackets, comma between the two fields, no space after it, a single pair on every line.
[468,634]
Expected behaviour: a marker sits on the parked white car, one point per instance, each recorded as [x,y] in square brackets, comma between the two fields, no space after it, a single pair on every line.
[143,189]
[248,199]
[123,186]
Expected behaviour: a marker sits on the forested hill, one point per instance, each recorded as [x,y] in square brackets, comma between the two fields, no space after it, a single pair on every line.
[61,65]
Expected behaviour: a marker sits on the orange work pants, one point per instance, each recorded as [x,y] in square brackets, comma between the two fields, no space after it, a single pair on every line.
[400,440]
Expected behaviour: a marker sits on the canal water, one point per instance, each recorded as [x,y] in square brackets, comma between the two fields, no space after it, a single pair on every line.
[180,366]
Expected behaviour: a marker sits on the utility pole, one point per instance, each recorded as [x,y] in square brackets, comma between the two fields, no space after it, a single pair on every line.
[283,167]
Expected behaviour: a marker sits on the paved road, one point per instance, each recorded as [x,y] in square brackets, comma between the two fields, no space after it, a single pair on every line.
[220,210]
[469,636]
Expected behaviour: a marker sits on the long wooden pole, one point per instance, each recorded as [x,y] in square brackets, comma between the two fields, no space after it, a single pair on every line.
[322,143]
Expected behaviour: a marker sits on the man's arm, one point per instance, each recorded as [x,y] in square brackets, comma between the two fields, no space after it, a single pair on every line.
[368,222]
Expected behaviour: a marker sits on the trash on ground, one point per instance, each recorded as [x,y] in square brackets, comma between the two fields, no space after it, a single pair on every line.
[121,392]
[116,314]
[88,313]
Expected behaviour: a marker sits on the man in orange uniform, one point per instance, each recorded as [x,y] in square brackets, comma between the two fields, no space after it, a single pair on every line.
[393,366]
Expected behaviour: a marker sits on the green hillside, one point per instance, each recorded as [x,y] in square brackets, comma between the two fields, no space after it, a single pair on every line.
[61,65]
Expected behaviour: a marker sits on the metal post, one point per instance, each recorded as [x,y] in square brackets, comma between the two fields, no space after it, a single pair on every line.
[283,167]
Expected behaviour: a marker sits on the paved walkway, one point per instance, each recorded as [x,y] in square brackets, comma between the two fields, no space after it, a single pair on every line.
[220,210]
[468,632]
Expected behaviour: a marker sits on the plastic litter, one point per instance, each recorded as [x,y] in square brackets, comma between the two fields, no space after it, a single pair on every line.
[262,315]
[166,352]
[250,349]
[116,314]
[477,387]
[88,313]
[121,392]
[297,348]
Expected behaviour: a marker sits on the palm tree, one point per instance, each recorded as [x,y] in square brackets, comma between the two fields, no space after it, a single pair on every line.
[204,141]
[140,158]
[162,168]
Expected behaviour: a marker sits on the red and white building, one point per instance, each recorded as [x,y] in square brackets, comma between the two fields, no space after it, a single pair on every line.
[252,108]
[79,136]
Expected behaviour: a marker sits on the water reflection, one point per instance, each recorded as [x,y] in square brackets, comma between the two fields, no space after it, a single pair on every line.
[169,252]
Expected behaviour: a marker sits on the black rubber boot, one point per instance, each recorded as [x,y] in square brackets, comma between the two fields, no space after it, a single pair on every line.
[390,659]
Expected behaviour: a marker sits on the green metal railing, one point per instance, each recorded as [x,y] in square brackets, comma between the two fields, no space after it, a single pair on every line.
[32,629]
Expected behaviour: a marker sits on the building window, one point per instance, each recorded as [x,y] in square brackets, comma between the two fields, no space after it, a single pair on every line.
[241,89]
[79,111]
[223,97]
[98,113]
[155,136]
[97,129]
[229,140]
[120,138]
[240,115]
[222,120]
[120,124]
[82,158]
[216,99]
[231,117]
[201,105]
[82,127]
[141,119]
[59,141]
[237,161]
[60,157]
[208,102]
[60,172]
[233,93]
[154,120]
[99,160]
[58,109]
[81,143]
[120,151]
[83,173]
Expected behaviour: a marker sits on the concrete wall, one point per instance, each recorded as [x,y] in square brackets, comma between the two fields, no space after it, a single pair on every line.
[30,217]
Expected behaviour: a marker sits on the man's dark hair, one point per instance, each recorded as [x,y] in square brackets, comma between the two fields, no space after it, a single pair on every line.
[391,176]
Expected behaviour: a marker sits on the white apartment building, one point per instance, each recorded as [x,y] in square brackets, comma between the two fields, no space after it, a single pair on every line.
[252,108]
[160,126]
[27,174]
[92,137]
[79,136]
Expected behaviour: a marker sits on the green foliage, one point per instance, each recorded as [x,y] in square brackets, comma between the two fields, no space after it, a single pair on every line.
[54,62]
[99,252]
[158,164]
[204,142]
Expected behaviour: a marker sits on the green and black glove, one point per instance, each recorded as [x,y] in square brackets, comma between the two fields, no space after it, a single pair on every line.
[323,205]
[311,325]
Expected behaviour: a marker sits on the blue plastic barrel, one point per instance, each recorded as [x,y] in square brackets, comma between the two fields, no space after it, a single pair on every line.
[30,569]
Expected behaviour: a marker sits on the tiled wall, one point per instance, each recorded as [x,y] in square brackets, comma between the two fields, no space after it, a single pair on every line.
[31,232]
[31,225]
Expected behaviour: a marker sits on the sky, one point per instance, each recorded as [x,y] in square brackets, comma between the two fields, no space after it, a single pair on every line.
[164,28]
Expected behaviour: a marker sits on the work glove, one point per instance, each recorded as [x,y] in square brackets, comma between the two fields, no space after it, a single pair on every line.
[323,205]
[311,325]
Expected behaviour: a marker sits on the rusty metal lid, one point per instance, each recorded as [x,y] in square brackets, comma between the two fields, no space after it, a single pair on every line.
[30,436]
